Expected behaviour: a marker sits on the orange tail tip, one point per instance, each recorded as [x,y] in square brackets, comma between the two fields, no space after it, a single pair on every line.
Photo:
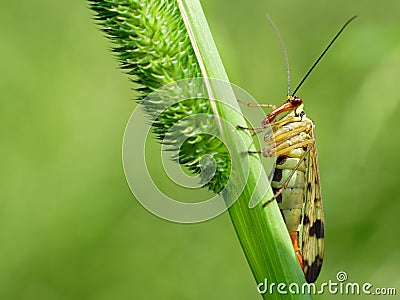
[294,236]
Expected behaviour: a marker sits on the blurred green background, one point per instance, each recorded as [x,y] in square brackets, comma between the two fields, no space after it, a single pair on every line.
[69,225]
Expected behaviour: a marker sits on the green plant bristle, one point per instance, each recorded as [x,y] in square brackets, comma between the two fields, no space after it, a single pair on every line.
[154,49]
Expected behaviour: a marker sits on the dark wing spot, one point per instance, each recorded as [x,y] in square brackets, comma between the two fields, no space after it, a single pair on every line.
[277,175]
[317,229]
[281,160]
[311,272]
[306,220]
[279,198]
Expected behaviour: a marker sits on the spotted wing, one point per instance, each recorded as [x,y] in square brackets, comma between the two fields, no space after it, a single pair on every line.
[313,221]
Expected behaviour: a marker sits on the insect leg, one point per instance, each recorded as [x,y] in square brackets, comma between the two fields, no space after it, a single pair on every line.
[256,130]
[283,151]
[271,106]
[302,158]
[249,128]
[257,104]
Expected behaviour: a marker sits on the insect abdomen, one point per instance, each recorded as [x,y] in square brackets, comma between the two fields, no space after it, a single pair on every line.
[291,200]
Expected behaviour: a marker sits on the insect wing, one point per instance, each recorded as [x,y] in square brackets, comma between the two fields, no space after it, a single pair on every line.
[313,222]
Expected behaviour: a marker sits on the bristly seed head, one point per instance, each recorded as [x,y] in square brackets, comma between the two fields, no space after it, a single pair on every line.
[151,42]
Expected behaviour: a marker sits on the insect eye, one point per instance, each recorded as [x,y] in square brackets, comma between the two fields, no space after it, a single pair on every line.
[302,113]
[297,101]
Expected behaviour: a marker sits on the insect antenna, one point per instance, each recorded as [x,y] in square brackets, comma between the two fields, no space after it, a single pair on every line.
[284,52]
[323,53]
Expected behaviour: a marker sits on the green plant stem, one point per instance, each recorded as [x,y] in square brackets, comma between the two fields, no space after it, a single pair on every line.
[261,231]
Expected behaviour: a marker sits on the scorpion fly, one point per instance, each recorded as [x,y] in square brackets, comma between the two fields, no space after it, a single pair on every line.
[296,180]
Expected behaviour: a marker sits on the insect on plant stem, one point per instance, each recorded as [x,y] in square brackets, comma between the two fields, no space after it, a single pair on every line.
[296,179]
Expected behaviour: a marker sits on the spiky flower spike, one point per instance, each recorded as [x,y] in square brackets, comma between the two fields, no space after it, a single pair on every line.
[152,43]
[154,48]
